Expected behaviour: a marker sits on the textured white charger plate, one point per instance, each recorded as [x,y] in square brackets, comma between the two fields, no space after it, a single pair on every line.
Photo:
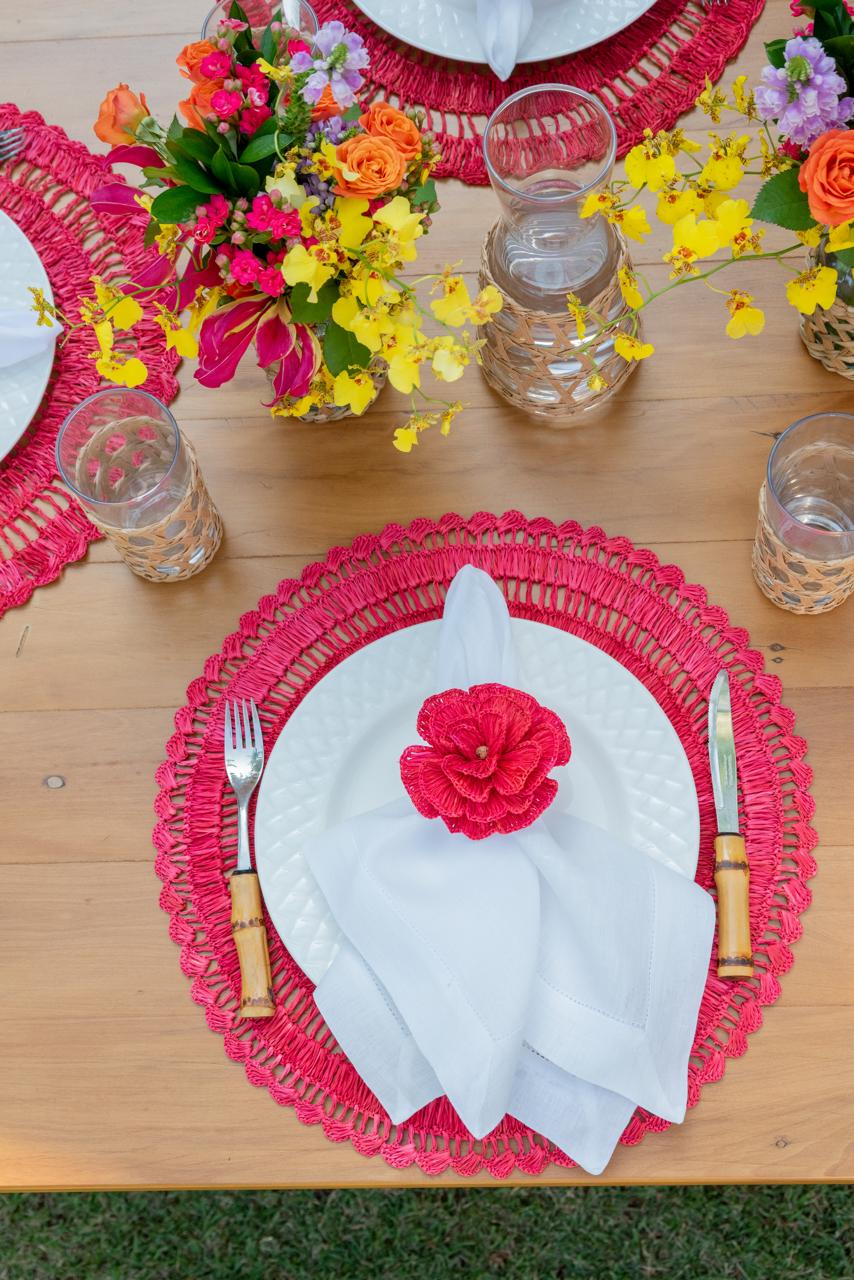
[338,756]
[449,28]
[22,385]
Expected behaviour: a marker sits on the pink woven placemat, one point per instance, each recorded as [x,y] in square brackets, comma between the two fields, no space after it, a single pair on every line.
[647,76]
[46,192]
[602,589]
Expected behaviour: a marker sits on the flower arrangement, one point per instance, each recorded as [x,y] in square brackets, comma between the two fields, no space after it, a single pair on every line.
[806,93]
[284,213]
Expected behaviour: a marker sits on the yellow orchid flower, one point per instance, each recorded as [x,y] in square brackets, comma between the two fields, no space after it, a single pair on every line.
[631,348]
[596,382]
[745,100]
[454,307]
[177,339]
[813,288]
[633,222]
[628,282]
[673,205]
[365,323]
[810,238]
[744,318]
[354,225]
[724,168]
[306,266]
[841,237]
[356,391]
[405,439]
[734,223]
[404,368]
[691,240]
[578,311]
[448,417]
[279,74]
[45,311]
[649,164]
[449,359]
[124,312]
[711,101]
[598,202]
[404,227]
[124,370]
[168,240]
[487,303]
[284,180]
[371,287]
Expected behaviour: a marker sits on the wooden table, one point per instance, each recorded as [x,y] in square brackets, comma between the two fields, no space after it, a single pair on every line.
[108,1075]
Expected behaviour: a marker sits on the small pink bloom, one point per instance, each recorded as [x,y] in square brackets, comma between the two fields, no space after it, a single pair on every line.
[204,231]
[262,210]
[222,127]
[233,24]
[225,102]
[271,281]
[297,46]
[216,210]
[245,267]
[253,118]
[285,225]
[238,237]
[485,769]
[215,66]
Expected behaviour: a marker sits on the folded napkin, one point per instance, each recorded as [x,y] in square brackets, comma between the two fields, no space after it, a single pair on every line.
[22,337]
[552,973]
[503,27]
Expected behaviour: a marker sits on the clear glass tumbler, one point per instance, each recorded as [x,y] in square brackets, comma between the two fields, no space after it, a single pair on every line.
[803,555]
[122,455]
[292,13]
[547,148]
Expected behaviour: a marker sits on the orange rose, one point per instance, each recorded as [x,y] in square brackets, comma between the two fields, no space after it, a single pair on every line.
[199,103]
[377,164]
[120,114]
[191,58]
[326,106]
[827,176]
[385,121]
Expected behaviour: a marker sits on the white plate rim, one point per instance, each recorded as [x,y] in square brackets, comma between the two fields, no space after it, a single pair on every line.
[269,850]
[10,230]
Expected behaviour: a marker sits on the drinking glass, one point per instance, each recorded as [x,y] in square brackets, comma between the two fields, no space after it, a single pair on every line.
[803,556]
[292,13]
[122,455]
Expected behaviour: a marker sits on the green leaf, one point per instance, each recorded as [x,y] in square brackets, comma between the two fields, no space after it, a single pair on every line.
[841,49]
[341,350]
[194,143]
[774,52]
[177,204]
[258,148]
[191,172]
[236,11]
[424,194]
[781,201]
[155,175]
[248,182]
[268,45]
[305,312]
[221,167]
[176,128]
[352,113]
[844,257]
[151,233]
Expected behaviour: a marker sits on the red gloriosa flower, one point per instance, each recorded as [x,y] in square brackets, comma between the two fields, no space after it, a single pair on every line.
[485,768]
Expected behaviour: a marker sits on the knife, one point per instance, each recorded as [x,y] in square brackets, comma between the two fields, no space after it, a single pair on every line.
[732,874]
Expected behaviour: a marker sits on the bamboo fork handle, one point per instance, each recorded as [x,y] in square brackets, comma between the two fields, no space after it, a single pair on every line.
[250,938]
[732,879]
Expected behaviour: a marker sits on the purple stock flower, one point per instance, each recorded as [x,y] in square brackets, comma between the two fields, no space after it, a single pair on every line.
[804,95]
[343,58]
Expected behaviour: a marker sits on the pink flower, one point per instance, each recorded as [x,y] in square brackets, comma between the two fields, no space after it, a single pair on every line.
[297,46]
[204,231]
[279,223]
[253,118]
[259,218]
[216,210]
[225,102]
[216,66]
[271,281]
[245,267]
[485,768]
[233,24]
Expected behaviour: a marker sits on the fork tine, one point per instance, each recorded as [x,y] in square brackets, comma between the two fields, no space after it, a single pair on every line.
[238,729]
[259,736]
[247,727]
[228,732]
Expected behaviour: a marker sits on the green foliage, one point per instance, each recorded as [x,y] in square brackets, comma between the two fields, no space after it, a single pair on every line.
[192,173]
[781,201]
[841,49]
[305,312]
[845,258]
[774,52]
[177,204]
[192,142]
[258,148]
[831,19]
[341,350]
[235,179]
[530,1232]
[425,194]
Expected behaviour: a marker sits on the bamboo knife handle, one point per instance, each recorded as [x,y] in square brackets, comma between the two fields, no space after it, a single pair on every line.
[250,938]
[732,880]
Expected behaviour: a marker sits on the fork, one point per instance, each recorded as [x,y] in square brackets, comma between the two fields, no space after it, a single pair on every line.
[11,143]
[244,763]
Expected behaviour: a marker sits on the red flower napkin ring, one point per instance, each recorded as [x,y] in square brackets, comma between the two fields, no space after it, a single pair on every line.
[485,769]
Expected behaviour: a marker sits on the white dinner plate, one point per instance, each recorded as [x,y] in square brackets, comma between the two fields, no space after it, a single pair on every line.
[449,27]
[338,756]
[22,385]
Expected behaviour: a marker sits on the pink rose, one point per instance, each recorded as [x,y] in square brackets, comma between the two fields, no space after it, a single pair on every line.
[225,102]
[259,218]
[271,281]
[216,66]
[216,210]
[485,768]
[253,118]
[204,231]
[245,267]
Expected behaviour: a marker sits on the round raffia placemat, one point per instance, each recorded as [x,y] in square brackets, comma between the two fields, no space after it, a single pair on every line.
[46,192]
[647,76]
[602,589]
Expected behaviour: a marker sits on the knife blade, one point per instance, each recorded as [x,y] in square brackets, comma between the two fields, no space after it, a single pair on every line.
[732,872]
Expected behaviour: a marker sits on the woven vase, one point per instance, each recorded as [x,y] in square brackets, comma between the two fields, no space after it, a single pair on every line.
[794,581]
[531,358]
[829,335]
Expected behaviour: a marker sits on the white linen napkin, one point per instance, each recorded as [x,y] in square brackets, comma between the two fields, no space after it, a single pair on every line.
[503,27]
[554,974]
[21,337]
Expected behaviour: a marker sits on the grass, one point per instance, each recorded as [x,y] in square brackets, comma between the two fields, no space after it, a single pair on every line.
[692,1233]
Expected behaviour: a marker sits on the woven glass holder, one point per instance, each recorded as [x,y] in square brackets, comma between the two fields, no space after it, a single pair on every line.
[829,335]
[794,581]
[179,545]
[530,357]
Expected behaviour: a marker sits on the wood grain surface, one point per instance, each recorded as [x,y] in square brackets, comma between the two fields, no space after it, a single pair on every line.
[109,1077]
